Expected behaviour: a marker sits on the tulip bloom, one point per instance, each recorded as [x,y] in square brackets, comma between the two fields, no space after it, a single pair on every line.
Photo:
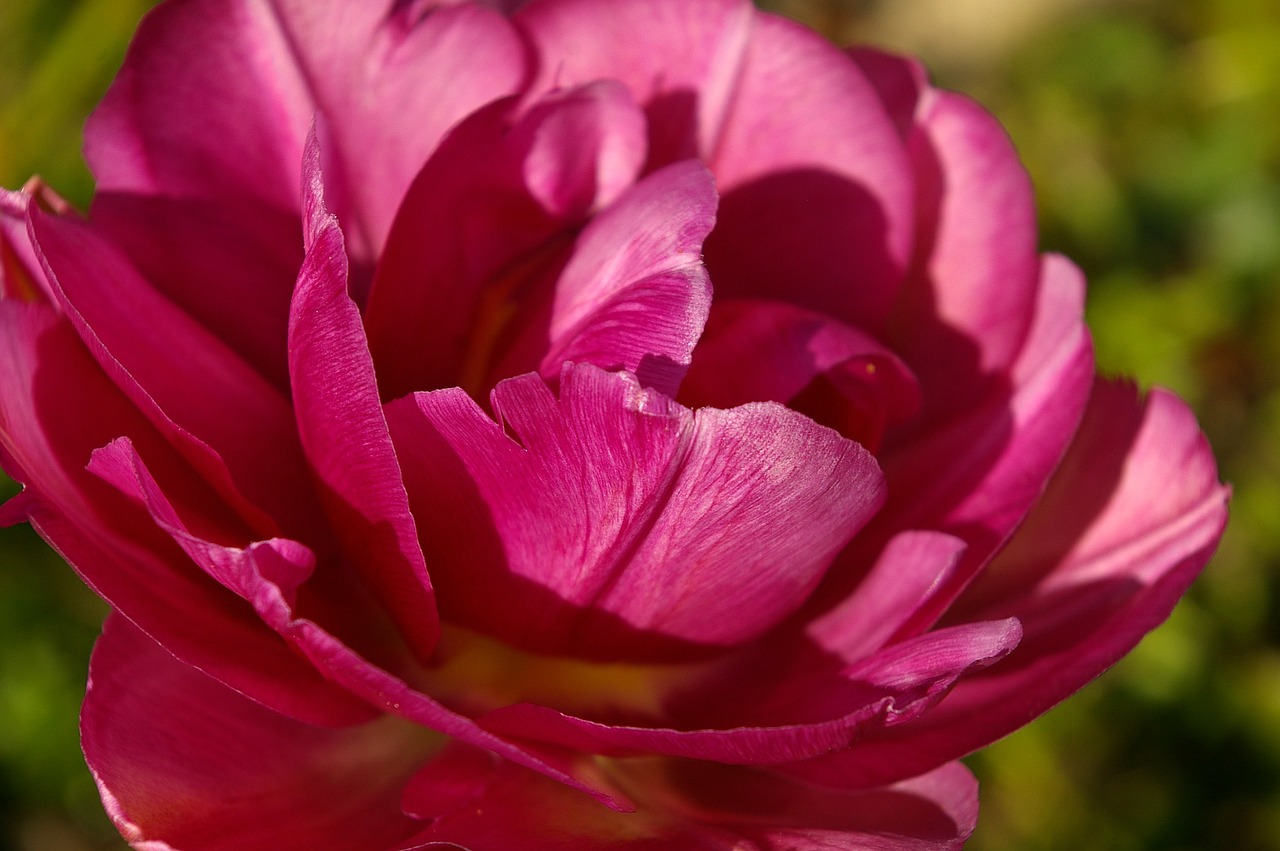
[567,424]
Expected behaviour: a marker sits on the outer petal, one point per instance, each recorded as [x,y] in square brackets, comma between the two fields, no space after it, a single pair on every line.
[183,762]
[153,351]
[1128,521]
[47,383]
[264,68]
[622,525]
[344,432]
[717,808]
[971,298]
[270,575]
[976,475]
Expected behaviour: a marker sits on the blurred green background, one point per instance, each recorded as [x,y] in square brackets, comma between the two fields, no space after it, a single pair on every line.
[1152,131]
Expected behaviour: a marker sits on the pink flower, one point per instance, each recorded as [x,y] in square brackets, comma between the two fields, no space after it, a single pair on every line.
[603,423]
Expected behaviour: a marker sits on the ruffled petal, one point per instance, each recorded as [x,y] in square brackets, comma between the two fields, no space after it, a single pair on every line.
[485,229]
[343,431]
[183,762]
[621,525]
[635,294]
[1128,521]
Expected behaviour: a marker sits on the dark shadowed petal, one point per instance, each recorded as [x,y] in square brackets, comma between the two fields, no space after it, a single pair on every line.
[1128,521]
[976,474]
[816,187]
[183,762]
[612,521]
[689,805]
[229,264]
[48,382]
[765,717]
[344,433]
[197,391]
[756,350]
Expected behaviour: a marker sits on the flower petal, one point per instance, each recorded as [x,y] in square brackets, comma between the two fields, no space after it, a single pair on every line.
[622,525]
[764,714]
[1128,521]
[264,69]
[152,350]
[756,350]
[635,294]
[343,431]
[184,762]
[692,805]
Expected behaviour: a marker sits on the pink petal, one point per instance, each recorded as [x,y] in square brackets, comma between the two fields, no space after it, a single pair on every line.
[47,382]
[775,717]
[976,475]
[264,69]
[153,351]
[900,81]
[635,294]
[968,305]
[270,575]
[183,762]
[622,523]
[754,350]
[680,60]
[703,806]
[486,226]
[815,183]
[1129,520]
[816,187]
[21,276]
[228,264]
[343,431]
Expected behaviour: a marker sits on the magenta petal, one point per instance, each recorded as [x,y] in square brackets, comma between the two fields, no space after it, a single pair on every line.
[21,276]
[184,762]
[966,309]
[212,259]
[977,474]
[268,574]
[909,571]
[815,182]
[713,808]
[755,350]
[681,60]
[899,80]
[784,720]
[262,72]
[635,294]
[343,430]
[48,382]
[1128,521]
[194,389]
[620,521]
